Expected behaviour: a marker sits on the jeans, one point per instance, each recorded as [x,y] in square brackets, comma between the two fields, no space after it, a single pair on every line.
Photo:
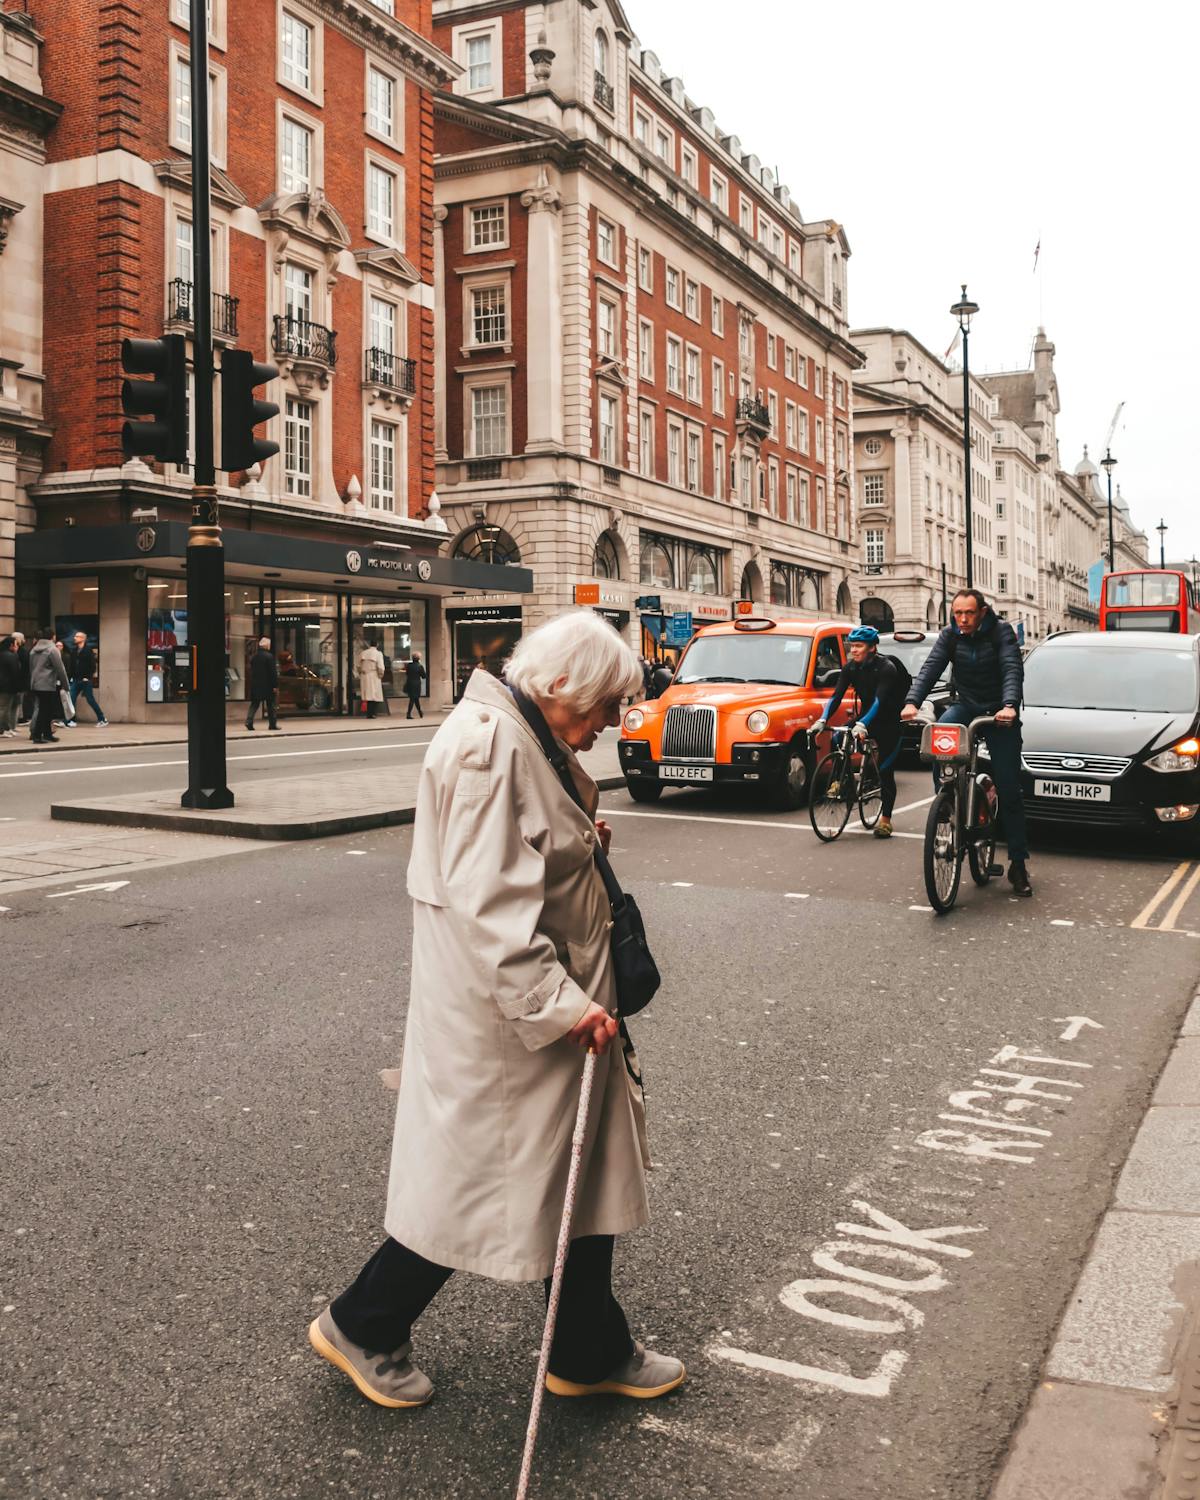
[81,687]
[9,703]
[1004,746]
[591,1337]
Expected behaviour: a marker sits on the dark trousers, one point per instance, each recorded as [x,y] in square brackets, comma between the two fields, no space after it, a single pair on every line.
[46,708]
[591,1337]
[889,748]
[414,701]
[267,705]
[81,687]
[1004,747]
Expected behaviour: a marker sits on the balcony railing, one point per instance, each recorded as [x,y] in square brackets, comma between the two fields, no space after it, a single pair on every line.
[391,371]
[180,299]
[301,339]
[753,412]
[603,92]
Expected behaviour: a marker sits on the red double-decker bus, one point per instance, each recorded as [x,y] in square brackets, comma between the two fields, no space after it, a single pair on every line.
[1153,599]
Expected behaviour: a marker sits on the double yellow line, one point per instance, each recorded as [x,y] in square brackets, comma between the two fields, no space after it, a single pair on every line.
[1185,888]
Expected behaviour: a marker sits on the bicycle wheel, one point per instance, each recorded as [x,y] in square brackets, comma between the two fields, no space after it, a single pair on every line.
[828,802]
[870,789]
[980,857]
[943,867]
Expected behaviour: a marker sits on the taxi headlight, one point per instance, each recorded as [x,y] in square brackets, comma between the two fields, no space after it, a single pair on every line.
[634,718]
[758,721]
[1185,756]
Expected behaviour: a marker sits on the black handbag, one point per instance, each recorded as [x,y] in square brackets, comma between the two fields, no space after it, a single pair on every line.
[636,973]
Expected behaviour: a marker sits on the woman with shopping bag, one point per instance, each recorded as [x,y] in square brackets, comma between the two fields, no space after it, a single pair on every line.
[512,981]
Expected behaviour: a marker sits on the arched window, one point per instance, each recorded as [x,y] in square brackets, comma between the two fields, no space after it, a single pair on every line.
[779,585]
[656,567]
[487,544]
[810,594]
[843,600]
[702,574]
[605,561]
[751,586]
[931,619]
[602,54]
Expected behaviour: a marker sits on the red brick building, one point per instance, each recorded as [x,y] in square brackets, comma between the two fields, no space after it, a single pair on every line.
[322,257]
[644,343]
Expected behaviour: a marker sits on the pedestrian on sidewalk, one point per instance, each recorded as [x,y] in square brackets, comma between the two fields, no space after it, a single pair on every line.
[26,711]
[414,673]
[264,680]
[83,672]
[370,678]
[65,714]
[10,686]
[47,680]
[511,978]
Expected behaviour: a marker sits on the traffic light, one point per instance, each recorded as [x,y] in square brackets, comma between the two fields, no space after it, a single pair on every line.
[241,411]
[164,398]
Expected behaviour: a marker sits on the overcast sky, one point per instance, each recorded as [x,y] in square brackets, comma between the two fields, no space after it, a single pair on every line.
[949,139]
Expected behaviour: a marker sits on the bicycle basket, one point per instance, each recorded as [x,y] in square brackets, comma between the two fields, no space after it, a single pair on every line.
[946,744]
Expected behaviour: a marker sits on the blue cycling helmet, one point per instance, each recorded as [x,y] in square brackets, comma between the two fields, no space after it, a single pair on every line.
[864,635]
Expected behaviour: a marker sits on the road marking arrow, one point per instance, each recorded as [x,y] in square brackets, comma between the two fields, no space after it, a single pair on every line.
[106,885]
[1075,1025]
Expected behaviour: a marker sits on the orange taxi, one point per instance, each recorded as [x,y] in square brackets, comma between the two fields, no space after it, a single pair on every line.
[738,710]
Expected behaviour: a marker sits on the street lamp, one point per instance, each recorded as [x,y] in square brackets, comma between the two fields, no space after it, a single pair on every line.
[964,310]
[1108,463]
[1162,528]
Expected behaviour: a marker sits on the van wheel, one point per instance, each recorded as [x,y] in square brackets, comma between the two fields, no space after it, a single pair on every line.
[791,788]
[644,791]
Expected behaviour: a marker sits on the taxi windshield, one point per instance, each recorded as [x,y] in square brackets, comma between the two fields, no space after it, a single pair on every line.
[748,657]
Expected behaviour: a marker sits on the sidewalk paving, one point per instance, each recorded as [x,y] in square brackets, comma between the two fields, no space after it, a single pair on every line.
[1117,1415]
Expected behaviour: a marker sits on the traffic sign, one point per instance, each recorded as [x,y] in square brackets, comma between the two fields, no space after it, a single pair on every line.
[679,630]
[648,601]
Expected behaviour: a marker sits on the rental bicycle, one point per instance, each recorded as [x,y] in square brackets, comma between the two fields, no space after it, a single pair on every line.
[838,784]
[962,820]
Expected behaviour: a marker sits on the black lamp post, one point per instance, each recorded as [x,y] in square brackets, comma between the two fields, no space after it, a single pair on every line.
[964,310]
[1108,463]
[1162,528]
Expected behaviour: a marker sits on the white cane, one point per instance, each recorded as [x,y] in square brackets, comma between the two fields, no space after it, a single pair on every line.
[560,1261]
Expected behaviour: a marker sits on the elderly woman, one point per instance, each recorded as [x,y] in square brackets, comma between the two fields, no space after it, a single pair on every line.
[511,978]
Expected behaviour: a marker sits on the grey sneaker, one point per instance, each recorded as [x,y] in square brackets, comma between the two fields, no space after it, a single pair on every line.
[387,1379]
[643,1375]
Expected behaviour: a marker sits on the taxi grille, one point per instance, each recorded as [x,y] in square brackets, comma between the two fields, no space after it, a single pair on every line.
[690,733]
[1053,764]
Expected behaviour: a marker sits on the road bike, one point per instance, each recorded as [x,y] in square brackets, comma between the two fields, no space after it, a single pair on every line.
[962,820]
[837,784]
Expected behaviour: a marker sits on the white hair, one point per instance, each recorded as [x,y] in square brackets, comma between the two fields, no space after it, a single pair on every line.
[265,642]
[576,659]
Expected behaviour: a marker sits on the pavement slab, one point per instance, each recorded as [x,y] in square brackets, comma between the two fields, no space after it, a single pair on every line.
[1162,1174]
[1180,1081]
[1086,1443]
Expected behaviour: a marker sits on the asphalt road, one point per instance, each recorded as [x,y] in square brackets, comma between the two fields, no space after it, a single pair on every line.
[195,1146]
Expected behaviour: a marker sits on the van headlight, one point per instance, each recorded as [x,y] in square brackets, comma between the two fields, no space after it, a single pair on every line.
[758,721]
[634,718]
[1185,756]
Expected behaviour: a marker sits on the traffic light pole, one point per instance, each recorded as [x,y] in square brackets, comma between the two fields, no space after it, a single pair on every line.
[205,551]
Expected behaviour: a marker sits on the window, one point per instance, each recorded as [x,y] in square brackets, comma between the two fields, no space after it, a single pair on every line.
[489,315]
[381,202]
[789,420]
[719,468]
[718,191]
[183,250]
[641,127]
[718,387]
[673,280]
[646,443]
[819,382]
[873,447]
[295,156]
[381,492]
[609,416]
[691,302]
[297,447]
[1001,546]
[489,226]
[794,257]
[662,146]
[296,52]
[600,52]
[772,353]
[747,479]
[999,503]
[802,429]
[808,516]
[873,545]
[489,420]
[181,105]
[702,572]
[479,62]
[182,101]
[693,460]
[645,269]
[839,391]
[1002,582]
[693,374]
[298,292]
[674,453]
[999,468]
[655,565]
[819,455]
[791,495]
[718,315]
[746,214]
[773,487]
[606,242]
[873,491]
[802,370]
[606,326]
[674,365]
[646,350]
[689,169]
[381,103]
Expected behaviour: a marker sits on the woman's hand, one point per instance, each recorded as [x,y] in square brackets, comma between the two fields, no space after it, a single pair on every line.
[595,1029]
[604,834]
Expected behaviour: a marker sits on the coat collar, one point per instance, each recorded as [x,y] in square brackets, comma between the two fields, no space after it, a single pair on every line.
[483,687]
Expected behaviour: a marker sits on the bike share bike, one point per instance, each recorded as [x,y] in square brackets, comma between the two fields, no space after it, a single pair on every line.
[837,785]
[965,812]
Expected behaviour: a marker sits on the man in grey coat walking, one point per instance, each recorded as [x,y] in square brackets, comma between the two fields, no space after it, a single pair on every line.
[47,678]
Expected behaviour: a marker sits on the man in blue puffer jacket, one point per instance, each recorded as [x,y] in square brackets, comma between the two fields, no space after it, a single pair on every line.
[988,678]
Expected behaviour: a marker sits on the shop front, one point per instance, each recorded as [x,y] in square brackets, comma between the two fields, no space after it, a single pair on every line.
[481,636]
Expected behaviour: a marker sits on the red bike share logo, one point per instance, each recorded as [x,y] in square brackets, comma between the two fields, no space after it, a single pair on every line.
[947,739]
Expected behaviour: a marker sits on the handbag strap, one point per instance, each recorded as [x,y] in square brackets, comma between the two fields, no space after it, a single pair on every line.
[553,752]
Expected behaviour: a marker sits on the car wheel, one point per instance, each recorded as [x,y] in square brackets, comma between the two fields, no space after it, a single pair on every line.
[644,791]
[792,785]
[321,699]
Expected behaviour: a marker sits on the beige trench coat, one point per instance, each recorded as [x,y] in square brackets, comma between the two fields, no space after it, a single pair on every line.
[510,940]
[370,675]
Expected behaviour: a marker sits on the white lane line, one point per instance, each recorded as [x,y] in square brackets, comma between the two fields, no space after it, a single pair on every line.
[1168,922]
[1059,922]
[141,765]
[683,885]
[910,806]
[106,885]
[920,908]
[795,895]
[1160,895]
[621,812]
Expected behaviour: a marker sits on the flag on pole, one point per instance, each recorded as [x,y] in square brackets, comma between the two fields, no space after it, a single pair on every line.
[1037,250]
[954,343]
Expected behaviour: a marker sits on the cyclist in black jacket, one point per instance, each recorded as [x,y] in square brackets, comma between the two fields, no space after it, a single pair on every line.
[877,683]
[989,679]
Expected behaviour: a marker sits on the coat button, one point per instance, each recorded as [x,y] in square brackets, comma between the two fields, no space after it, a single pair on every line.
[483,718]
[589,838]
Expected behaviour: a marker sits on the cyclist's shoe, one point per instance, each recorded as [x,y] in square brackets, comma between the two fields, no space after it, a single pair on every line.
[834,791]
[1018,878]
[883,829]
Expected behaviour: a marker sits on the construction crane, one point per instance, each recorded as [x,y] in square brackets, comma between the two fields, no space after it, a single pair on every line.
[1112,426]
